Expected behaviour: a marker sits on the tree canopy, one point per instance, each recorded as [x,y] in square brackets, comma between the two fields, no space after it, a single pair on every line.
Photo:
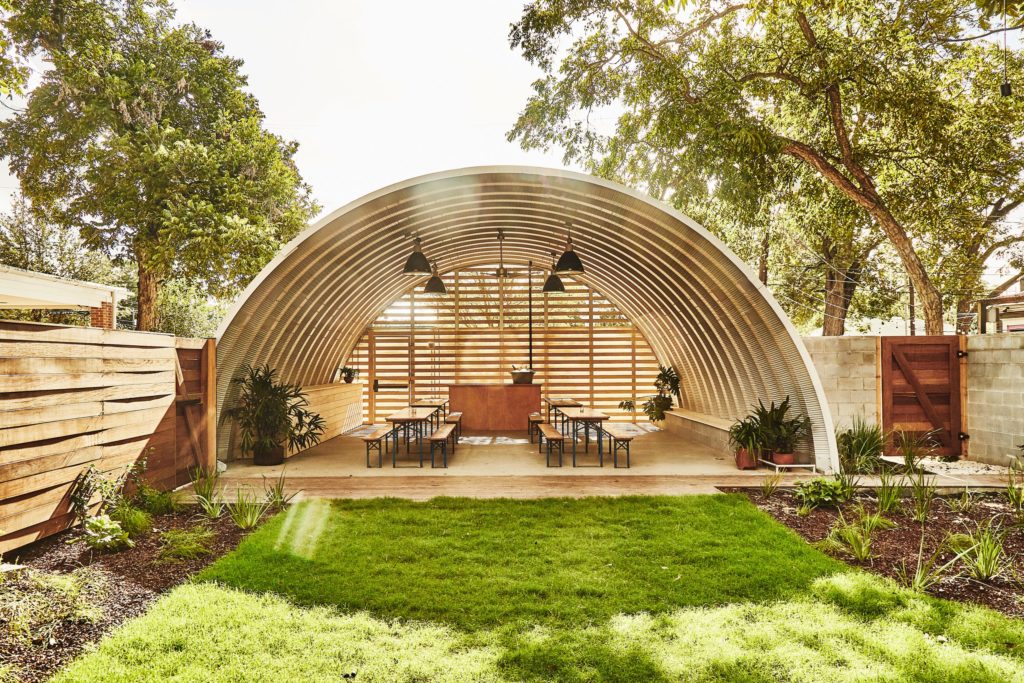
[879,108]
[142,135]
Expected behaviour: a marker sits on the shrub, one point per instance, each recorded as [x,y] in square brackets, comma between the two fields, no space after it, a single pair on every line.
[185,544]
[275,494]
[821,493]
[211,507]
[770,484]
[853,539]
[860,447]
[962,504]
[155,502]
[35,603]
[922,493]
[927,572]
[134,521]
[913,446]
[247,510]
[103,533]
[1015,494]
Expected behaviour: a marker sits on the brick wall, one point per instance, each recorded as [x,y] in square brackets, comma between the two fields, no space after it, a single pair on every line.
[848,368]
[995,396]
[103,316]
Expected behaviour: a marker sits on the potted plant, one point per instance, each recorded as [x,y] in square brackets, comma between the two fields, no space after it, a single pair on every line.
[667,384]
[781,432]
[348,374]
[272,415]
[745,438]
[522,375]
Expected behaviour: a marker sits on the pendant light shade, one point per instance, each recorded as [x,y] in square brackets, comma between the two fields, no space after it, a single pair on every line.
[553,283]
[435,285]
[417,263]
[569,262]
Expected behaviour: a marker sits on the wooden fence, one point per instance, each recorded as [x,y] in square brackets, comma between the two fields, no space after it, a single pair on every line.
[71,397]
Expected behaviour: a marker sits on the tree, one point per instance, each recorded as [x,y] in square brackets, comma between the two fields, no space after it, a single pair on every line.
[141,134]
[855,92]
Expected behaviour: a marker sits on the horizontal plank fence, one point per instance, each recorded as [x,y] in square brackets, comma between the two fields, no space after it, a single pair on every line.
[71,397]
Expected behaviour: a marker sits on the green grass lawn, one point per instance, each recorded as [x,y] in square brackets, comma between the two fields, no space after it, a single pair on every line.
[702,588]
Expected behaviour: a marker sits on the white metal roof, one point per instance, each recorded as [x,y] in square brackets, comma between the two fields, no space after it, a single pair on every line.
[697,304]
[27,289]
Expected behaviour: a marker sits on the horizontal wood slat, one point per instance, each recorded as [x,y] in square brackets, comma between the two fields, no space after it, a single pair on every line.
[72,397]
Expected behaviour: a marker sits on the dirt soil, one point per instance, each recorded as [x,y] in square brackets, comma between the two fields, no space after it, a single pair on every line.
[901,544]
[134,578]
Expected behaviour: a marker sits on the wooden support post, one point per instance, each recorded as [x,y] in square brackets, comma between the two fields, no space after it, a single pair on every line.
[208,371]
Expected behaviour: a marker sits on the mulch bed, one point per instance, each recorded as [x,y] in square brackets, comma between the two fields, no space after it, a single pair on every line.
[901,544]
[135,578]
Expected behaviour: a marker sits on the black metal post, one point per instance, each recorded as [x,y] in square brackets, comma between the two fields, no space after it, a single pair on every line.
[529,297]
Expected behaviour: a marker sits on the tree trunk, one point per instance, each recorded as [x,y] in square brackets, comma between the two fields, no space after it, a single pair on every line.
[965,315]
[149,287]
[839,289]
[762,265]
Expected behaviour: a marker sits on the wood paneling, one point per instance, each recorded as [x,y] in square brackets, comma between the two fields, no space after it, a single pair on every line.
[495,407]
[582,345]
[921,389]
[71,397]
[339,404]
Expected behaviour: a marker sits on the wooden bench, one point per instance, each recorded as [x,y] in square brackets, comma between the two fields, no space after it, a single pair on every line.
[455,419]
[439,441]
[618,440]
[375,442]
[554,438]
[533,424]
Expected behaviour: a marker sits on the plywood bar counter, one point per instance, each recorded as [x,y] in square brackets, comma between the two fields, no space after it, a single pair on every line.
[494,407]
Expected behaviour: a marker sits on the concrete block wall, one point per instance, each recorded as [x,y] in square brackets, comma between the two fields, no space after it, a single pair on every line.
[995,396]
[848,368]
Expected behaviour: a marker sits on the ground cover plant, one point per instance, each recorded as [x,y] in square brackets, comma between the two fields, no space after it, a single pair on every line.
[700,588]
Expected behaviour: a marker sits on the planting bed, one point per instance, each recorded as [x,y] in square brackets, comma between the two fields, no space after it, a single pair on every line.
[115,587]
[891,547]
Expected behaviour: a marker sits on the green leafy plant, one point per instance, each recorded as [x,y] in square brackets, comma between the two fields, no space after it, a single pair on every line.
[962,504]
[922,493]
[853,539]
[985,558]
[104,534]
[779,433]
[927,571]
[656,406]
[133,520]
[872,521]
[204,481]
[347,373]
[848,483]
[770,484]
[247,510]
[820,492]
[185,544]
[860,447]
[271,414]
[154,501]
[1015,494]
[914,446]
[627,405]
[667,382]
[274,492]
[746,434]
[212,507]
[92,484]
[888,493]
[804,510]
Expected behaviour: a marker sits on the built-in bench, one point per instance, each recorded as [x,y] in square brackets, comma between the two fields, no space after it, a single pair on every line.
[439,442]
[533,424]
[707,430]
[618,442]
[376,441]
[554,439]
[455,419]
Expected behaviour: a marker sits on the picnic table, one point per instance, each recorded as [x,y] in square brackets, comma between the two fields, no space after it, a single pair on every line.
[410,420]
[557,403]
[438,403]
[585,417]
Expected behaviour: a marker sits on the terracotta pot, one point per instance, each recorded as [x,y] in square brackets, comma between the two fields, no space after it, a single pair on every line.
[783,458]
[745,460]
[520,377]
[272,456]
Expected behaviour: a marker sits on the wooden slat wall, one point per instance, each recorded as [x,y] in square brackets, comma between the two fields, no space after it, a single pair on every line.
[583,346]
[339,404]
[73,396]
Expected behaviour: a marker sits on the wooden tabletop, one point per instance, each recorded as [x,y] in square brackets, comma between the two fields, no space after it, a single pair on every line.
[563,402]
[585,414]
[430,402]
[411,415]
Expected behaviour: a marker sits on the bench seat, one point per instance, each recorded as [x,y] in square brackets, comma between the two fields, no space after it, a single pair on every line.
[375,441]
[439,442]
[555,442]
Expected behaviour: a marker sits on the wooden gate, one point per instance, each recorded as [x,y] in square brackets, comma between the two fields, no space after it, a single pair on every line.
[921,390]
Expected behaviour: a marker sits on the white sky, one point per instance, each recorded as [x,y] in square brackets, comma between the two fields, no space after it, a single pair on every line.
[376,92]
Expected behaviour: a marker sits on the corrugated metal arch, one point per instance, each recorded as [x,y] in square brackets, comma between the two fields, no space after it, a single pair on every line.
[698,305]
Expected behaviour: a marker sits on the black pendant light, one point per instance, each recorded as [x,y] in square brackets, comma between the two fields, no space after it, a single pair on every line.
[553,283]
[435,285]
[502,271]
[417,263]
[569,262]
